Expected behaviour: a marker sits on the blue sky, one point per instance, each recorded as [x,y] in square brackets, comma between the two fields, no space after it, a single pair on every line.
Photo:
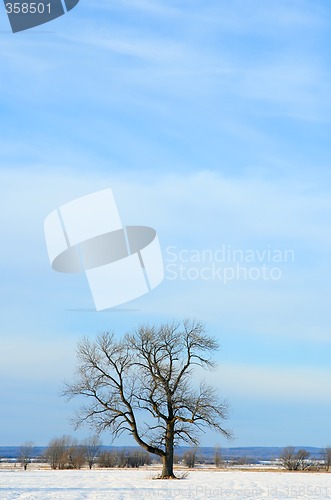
[210,122]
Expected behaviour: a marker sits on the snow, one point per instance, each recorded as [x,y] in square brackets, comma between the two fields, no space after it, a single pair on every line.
[120,484]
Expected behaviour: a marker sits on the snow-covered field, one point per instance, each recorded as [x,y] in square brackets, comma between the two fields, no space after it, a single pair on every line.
[139,484]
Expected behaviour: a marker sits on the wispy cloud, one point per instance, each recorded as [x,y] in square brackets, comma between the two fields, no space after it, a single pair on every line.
[275,384]
[195,212]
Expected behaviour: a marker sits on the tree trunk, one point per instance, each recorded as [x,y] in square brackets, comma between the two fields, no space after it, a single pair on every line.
[168,467]
[168,458]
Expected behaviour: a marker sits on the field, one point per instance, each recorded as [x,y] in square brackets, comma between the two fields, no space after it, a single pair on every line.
[138,484]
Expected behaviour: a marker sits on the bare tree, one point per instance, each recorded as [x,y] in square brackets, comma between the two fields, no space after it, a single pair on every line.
[218,460]
[287,458]
[327,458]
[26,453]
[302,459]
[108,459]
[76,456]
[57,452]
[143,385]
[293,460]
[189,457]
[136,458]
[124,458]
[92,446]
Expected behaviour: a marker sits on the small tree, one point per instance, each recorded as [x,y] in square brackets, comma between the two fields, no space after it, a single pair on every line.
[26,453]
[124,458]
[137,458]
[76,455]
[149,372]
[218,460]
[327,458]
[57,452]
[287,458]
[302,459]
[108,459]
[92,446]
[293,460]
[189,458]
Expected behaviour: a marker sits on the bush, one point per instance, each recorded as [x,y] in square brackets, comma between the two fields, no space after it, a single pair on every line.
[108,459]
[124,458]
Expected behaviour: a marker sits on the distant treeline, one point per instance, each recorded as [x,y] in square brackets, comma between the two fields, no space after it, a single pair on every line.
[257,454]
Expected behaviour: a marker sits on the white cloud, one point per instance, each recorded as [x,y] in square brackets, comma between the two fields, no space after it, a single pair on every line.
[203,207]
[198,211]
